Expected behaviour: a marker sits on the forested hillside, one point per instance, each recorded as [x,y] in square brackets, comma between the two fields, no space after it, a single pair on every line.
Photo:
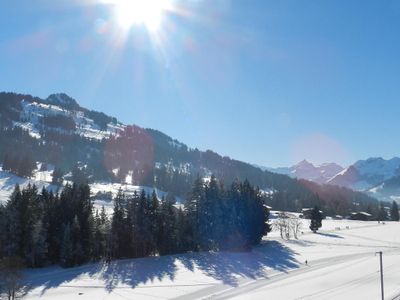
[80,143]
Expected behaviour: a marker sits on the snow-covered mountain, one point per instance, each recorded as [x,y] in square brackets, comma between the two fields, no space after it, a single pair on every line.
[306,170]
[375,176]
[366,174]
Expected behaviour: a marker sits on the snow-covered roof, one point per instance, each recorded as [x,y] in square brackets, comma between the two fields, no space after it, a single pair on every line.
[361,213]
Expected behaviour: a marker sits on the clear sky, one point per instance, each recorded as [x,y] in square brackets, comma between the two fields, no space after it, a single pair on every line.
[264,81]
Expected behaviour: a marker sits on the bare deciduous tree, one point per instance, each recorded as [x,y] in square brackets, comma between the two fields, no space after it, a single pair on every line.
[287,224]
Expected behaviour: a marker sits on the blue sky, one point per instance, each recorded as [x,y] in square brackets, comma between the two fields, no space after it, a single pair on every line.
[267,82]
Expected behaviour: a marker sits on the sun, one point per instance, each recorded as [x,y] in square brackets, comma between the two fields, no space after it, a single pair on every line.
[140,12]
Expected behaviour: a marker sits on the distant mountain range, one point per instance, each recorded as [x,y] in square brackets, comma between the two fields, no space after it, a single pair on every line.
[306,170]
[375,176]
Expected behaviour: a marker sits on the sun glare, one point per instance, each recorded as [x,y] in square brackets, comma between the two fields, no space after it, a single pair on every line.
[140,12]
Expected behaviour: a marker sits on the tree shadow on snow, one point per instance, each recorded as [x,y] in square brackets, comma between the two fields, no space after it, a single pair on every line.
[56,276]
[226,266]
[302,243]
[138,271]
[330,235]
[223,266]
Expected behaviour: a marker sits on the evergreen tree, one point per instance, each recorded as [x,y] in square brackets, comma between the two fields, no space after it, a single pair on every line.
[39,251]
[167,227]
[78,250]
[101,235]
[26,166]
[382,214]
[394,211]
[316,219]
[118,226]
[57,177]
[192,211]
[154,222]
[13,224]
[66,255]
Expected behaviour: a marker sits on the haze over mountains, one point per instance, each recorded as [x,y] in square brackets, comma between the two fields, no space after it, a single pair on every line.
[375,176]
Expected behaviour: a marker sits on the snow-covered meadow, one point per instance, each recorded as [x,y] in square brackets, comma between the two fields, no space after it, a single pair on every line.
[341,264]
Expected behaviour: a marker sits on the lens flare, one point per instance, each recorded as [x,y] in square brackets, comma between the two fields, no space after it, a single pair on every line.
[140,12]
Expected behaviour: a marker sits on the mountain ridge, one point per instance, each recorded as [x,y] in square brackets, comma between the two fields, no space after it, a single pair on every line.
[375,176]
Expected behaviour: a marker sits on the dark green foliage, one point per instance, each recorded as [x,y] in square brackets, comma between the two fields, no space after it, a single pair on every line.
[221,219]
[213,219]
[21,166]
[316,219]
[59,121]
[101,119]
[394,211]
[46,228]
[57,178]
[382,213]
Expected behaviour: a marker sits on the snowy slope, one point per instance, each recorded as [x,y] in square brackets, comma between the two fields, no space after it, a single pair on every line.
[8,182]
[33,113]
[341,265]
[366,174]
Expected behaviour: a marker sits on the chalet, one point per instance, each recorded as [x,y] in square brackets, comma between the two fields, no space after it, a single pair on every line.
[306,213]
[361,216]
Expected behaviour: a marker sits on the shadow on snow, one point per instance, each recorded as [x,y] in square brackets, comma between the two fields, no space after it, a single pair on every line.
[330,235]
[223,266]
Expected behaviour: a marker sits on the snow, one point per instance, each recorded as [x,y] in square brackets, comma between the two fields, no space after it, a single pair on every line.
[8,181]
[127,189]
[33,112]
[378,166]
[305,170]
[43,179]
[341,265]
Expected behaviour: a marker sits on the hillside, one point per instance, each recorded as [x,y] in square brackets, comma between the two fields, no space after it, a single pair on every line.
[57,131]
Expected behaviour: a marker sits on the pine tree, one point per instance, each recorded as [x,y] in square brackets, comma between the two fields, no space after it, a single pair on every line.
[57,177]
[13,224]
[382,214]
[118,226]
[167,227]
[394,211]
[66,255]
[103,239]
[192,211]
[78,252]
[316,219]
[39,245]
[84,214]
[26,166]
[154,220]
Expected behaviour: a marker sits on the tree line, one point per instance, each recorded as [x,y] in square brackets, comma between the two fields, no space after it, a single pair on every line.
[44,228]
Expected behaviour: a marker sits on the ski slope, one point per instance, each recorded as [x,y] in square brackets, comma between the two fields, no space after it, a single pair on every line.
[341,265]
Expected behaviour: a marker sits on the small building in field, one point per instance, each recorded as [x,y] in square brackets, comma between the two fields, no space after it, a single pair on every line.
[361,216]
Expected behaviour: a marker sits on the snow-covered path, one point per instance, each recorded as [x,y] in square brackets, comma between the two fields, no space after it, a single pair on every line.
[334,278]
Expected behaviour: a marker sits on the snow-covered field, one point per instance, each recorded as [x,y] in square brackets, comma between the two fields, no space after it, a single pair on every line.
[341,265]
